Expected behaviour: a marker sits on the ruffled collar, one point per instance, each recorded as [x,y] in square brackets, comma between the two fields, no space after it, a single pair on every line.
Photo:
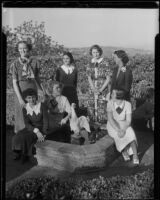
[35,109]
[96,60]
[68,69]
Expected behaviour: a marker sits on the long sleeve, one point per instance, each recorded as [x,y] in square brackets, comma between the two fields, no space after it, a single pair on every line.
[27,122]
[76,78]
[45,118]
[128,80]
[57,75]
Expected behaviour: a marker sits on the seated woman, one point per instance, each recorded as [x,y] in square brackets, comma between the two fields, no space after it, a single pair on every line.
[144,113]
[119,125]
[36,124]
[59,111]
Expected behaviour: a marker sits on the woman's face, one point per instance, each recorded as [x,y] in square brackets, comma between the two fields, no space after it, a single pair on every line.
[116,59]
[95,54]
[23,50]
[56,90]
[66,60]
[31,100]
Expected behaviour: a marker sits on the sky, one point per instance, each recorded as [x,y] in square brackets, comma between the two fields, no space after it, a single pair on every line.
[83,27]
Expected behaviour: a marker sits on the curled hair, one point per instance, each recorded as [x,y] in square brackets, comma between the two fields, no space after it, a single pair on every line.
[29,46]
[66,53]
[122,55]
[50,85]
[99,49]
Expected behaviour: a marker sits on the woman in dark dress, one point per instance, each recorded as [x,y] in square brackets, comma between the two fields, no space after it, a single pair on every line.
[36,125]
[25,74]
[67,75]
[122,74]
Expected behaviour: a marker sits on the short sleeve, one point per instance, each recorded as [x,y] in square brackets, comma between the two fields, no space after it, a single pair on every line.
[109,106]
[13,71]
[128,107]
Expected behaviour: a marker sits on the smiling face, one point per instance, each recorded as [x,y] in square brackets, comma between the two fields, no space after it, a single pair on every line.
[66,60]
[23,50]
[95,53]
[56,90]
[31,100]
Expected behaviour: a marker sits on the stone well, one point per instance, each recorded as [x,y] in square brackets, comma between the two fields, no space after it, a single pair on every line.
[69,157]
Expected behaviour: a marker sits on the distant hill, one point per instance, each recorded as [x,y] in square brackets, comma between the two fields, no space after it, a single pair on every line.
[107,51]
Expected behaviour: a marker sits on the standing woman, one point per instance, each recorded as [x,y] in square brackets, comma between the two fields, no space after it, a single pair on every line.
[67,75]
[25,72]
[99,78]
[122,74]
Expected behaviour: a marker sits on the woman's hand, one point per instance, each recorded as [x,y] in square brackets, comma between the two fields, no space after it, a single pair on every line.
[40,136]
[121,133]
[63,121]
[22,103]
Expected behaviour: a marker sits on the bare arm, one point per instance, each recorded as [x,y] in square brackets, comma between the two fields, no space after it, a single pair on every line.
[17,91]
[113,123]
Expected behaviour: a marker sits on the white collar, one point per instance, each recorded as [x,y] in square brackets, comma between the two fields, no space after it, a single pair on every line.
[121,105]
[36,109]
[68,69]
[96,60]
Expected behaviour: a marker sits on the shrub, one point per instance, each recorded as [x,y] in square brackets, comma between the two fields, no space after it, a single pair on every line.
[139,186]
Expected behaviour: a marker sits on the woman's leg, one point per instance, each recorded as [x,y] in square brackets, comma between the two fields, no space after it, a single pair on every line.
[135,154]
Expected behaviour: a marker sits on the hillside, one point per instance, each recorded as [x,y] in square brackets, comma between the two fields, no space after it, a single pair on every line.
[107,51]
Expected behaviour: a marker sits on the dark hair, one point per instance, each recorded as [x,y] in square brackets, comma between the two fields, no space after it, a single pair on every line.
[29,92]
[29,46]
[70,56]
[120,94]
[122,55]
[99,49]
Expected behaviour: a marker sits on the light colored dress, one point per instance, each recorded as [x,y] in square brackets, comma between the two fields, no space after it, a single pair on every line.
[129,136]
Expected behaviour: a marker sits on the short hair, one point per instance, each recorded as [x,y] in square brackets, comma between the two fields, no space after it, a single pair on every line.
[120,94]
[122,55]
[50,86]
[30,92]
[99,49]
[29,46]
[67,53]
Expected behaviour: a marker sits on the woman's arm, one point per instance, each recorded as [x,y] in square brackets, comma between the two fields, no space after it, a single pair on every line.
[128,80]
[113,123]
[91,83]
[107,81]
[17,91]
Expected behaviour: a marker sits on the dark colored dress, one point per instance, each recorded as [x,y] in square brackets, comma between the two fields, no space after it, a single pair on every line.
[69,84]
[26,138]
[98,73]
[124,80]
[25,76]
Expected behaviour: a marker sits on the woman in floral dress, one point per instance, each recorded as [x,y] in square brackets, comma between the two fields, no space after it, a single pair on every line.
[98,73]
[25,71]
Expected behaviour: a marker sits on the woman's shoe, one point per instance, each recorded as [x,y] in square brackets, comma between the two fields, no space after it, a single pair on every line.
[24,159]
[135,160]
[125,156]
[17,157]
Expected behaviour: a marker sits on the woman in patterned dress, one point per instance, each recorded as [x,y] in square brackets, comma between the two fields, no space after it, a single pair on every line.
[119,125]
[99,79]
[25,74]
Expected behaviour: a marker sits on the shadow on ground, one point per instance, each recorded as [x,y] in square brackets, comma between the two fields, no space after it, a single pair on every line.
[14,168]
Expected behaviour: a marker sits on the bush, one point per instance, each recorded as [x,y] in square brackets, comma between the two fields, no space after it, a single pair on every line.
[139,186]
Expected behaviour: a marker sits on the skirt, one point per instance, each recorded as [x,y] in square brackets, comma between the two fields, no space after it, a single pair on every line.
[121,143]
[24,141]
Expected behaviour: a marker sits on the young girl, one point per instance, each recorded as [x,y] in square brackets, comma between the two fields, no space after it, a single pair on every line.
[36,125]
[119,125]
